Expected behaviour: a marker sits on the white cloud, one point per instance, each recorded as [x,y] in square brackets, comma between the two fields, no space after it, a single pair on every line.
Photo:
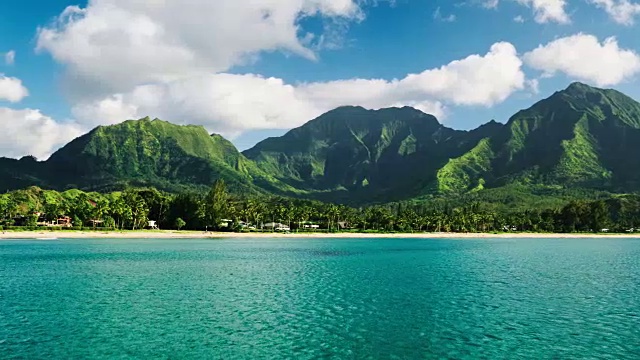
[621,11]
[10,57]
[548,10]
[475,80]
[519,19]
[29,132]
[583,57]
[230,104]
[545,11]
[112,46]
[491,4]
[11,89]
[126,59]
[533,85]
[108,111]
[437,15]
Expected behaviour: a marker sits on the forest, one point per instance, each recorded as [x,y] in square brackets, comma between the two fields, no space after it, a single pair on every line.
[219,210]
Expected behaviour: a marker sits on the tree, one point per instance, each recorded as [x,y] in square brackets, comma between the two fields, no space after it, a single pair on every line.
[180,223]
[216,204]
[52,211]
[599,215]
[81,208]
[99,211]
[187,206]
[119,210]
[139,210]
[158,204]
[31,220]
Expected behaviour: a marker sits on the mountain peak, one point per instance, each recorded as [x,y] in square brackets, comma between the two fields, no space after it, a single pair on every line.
[359,109]
[578,89]
[576,85]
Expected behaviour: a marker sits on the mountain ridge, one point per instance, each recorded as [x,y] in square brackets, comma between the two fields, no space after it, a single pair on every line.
[577,137]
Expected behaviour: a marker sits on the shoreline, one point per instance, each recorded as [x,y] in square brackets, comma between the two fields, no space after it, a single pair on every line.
[172,234]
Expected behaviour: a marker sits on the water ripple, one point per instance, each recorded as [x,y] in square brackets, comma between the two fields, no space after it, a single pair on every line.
[309,299]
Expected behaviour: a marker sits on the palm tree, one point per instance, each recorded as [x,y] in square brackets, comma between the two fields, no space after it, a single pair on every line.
[137,206]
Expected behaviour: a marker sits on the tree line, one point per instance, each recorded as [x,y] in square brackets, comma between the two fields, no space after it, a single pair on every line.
[217,209]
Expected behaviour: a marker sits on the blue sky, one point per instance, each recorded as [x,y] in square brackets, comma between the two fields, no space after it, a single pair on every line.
[254,72]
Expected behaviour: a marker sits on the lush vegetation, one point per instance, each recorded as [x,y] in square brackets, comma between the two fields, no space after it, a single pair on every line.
[217,209]
[579,137]
[574,145]
[139,153]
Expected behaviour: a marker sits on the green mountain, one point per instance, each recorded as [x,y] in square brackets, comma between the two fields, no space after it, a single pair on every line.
[142,153]
[578,138]
[352,153]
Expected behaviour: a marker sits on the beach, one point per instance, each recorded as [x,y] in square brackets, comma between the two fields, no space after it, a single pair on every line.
[171,234]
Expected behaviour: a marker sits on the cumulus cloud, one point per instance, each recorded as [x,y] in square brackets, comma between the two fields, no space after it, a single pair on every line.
[10,57]
[548,10]
[126,59]
[583,57]
[11,89]
[544,11]
[621,11]
[29,132]
[230,104]
[112,46]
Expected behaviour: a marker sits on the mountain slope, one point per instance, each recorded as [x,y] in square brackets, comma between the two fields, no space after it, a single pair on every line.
[143,153]
[579,137]
[354,152]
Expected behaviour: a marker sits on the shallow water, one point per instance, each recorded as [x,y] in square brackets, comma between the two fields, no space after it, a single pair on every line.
[320,298]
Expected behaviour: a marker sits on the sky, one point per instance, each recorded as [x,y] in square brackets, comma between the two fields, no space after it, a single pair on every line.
[249,69]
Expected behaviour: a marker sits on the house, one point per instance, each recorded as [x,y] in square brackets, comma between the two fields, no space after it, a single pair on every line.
[63,221]
[42,220]
[225,223]
[276,226]
[308,225]
[245,225]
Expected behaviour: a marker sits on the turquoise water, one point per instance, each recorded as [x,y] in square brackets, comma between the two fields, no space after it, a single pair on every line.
[308,299]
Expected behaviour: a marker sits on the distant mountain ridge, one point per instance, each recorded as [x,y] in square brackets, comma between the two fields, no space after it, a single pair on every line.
[581,137]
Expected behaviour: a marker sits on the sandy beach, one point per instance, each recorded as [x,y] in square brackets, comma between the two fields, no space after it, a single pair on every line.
[168,234]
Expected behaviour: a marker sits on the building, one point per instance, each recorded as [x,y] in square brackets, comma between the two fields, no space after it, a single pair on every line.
[276,226]
[63,221]
[225,223]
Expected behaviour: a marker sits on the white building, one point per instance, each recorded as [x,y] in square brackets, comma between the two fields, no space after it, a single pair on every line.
[276,226]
